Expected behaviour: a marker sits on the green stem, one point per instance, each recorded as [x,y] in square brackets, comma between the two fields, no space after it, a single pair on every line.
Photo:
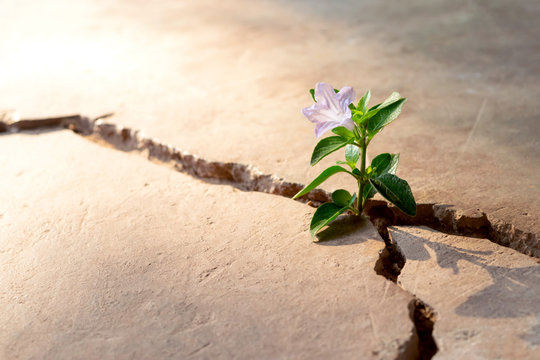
[363,147]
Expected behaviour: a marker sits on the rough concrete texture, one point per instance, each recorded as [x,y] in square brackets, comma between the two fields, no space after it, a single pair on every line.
[109,256]
[105,255]
[485,296]
[227,81]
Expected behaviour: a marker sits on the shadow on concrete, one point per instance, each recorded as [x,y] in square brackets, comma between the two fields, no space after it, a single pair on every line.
[345,230]
[510,294]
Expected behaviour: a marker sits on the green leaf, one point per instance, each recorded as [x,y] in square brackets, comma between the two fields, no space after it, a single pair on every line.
[352,154]
[397,191]
[343,132]
[382,164]
[357,118]
[363,103]
[326,213]
[374,107]
[327,146]
[385,163]
[369,191]
[312,92]
[341,197]
[386,113]
[389,100]
[357,134]
[320,179]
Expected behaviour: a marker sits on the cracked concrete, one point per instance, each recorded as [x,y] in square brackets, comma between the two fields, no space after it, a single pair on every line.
[105,255]
[485,296]
[196,73]
[247,177]
[419,342]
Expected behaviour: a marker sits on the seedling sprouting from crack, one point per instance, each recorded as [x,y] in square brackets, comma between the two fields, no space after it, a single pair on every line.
[354,128]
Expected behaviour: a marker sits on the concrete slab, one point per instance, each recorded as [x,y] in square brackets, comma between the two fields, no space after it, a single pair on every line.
[485,296]
[105,255]
[227,81]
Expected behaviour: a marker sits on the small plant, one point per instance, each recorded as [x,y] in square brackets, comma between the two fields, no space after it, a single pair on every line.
[354,128]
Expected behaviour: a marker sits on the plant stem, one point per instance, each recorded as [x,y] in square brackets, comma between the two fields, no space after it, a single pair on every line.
[363,147]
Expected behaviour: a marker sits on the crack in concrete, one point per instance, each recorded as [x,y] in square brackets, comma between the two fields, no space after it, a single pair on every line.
[444,218]
[391,262]
[441,217]
[423,316]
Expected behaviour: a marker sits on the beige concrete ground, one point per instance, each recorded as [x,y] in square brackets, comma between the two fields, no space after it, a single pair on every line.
[485,296]
[104,255]
[227,81]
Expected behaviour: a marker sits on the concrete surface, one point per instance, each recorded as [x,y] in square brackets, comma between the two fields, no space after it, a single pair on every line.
[485,296]
[104,255]
[227,81]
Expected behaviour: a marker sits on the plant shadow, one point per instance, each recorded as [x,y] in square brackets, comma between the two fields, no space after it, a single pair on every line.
[346,230]
[512,288]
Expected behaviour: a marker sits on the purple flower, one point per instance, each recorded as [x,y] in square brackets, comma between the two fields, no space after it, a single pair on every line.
[330,110]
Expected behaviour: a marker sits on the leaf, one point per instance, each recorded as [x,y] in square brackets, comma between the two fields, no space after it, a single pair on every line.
[374,107]
[385,163]
[392,98]
[397,191]
[357,118]
[343,132]
[341,197]
[326,213]
[352,154]
[363,103]
[327,146]
[369,191]
[320,179]
[382,163]
[312,92]
[385,115]
[357,134]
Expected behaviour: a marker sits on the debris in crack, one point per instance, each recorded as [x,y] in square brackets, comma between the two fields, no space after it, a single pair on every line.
[453,221]
[390,262]
[441,217]
[244,177]
[424,319]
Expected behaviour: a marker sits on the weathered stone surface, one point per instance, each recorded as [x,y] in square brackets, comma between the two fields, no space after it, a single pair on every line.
[227,82]
[485,296]
[105,255]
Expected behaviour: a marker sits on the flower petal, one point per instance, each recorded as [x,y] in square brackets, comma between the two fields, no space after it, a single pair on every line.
[320,113]
[326,95]
[346,96]
[321,128]
[348,123]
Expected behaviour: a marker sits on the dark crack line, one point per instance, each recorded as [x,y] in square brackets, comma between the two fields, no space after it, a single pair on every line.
[391,262]
[441,217]
[423,317]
